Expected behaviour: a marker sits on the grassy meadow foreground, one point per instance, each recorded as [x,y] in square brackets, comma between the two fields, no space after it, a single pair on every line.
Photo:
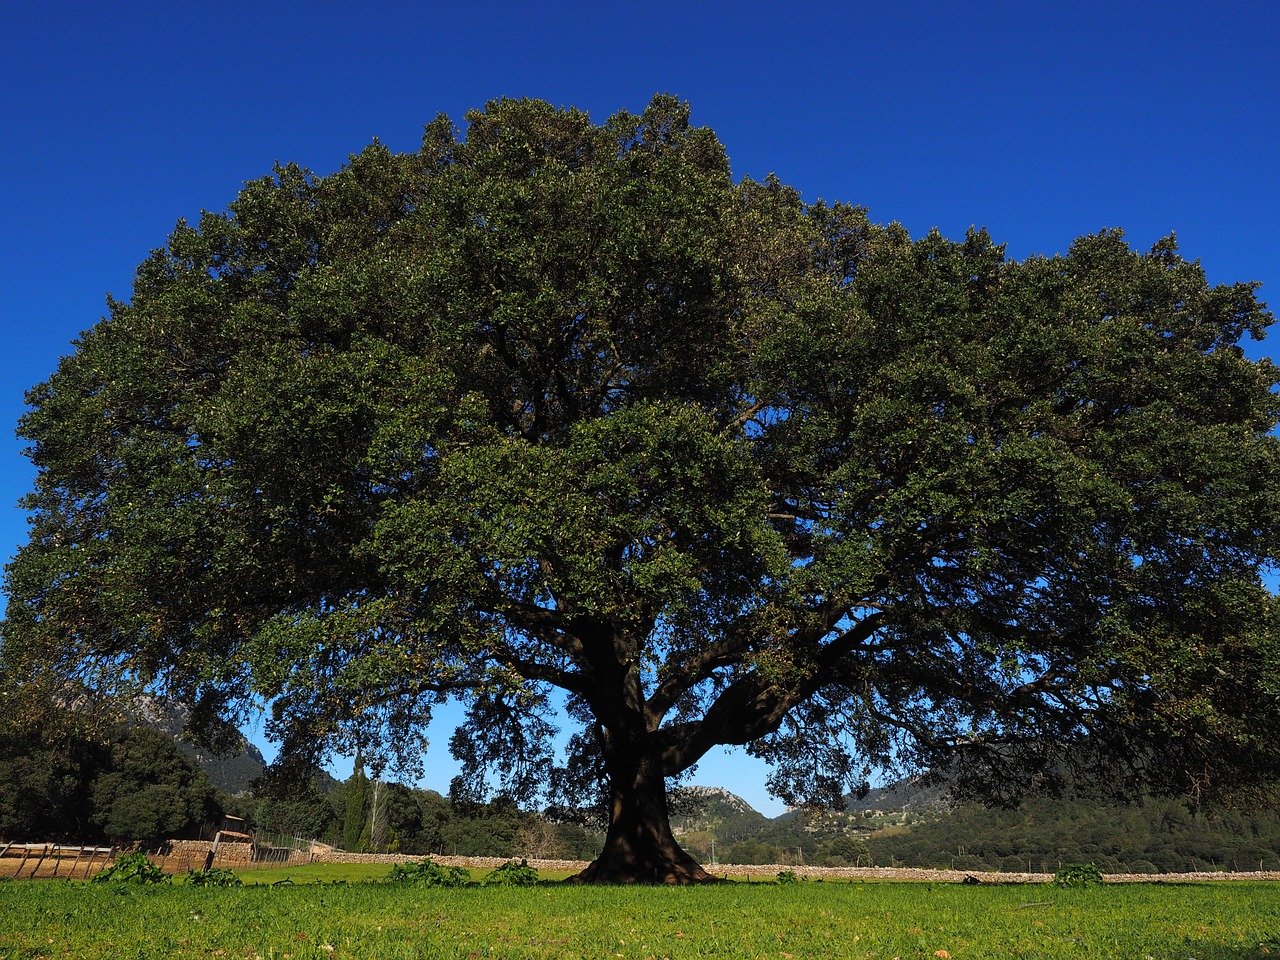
[325,920]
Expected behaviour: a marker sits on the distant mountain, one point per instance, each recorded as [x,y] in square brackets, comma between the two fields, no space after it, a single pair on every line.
[909,795]
[704,808]
[231,772]
[713,813]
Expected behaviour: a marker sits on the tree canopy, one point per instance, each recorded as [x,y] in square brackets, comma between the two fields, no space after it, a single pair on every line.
[126,782]
[554,405]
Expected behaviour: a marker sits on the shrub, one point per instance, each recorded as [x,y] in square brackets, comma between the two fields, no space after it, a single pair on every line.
[788,876]
[215,877]
[133,867]
[512,874]
[1078,875]
[428,873]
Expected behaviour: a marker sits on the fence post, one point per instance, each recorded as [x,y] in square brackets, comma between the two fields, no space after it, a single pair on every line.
[45,853]
[213,851]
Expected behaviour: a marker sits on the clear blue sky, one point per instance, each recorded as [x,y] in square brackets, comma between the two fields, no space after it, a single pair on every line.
[1040,121]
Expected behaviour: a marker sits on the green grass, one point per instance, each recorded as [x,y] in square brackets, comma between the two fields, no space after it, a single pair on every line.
[347,873]
[1219,921]
[317,873]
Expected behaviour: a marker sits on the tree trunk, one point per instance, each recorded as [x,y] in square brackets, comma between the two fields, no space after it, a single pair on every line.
[640,847]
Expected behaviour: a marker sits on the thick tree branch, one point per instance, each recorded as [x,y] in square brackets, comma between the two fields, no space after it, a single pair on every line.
[551,626]
[572,681]
[755,705]
[694,668]
[746,415]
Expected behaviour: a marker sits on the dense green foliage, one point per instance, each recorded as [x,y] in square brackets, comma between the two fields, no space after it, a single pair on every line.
[1224,921]
[513,873]
[355,798]
[149,791]
[134,867]
[561,410]
[46,784]
[1164,835]
[428,873]
[120,783]
[303,808]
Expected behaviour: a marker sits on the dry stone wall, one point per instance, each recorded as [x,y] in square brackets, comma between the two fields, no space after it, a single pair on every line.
[178,856]
[762,872]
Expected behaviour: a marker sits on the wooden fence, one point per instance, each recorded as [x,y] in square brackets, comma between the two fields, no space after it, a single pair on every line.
[53,860]
[46,860]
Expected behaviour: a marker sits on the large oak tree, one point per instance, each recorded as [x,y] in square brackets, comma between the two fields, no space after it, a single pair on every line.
[561,406]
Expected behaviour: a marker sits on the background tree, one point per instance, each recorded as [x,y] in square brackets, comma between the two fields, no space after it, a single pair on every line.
[355,808]
[293,802]
[562,406]
[150,791]
[45,783]
[403,818]
[121,782]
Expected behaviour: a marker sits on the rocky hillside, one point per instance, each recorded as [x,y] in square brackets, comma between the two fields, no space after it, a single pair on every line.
[232,773]
[717,825]
[713,810]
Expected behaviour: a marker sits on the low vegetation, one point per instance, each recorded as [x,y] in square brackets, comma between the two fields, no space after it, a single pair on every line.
[215,877]
[1078,875]
[512,874]
[133,868]
[1221,921]
[428,873]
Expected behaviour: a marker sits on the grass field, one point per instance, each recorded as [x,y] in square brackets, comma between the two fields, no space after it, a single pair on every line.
[1220,921]
[348,873]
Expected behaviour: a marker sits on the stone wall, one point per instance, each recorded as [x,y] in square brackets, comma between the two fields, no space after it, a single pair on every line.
[769,872]
[178,856]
